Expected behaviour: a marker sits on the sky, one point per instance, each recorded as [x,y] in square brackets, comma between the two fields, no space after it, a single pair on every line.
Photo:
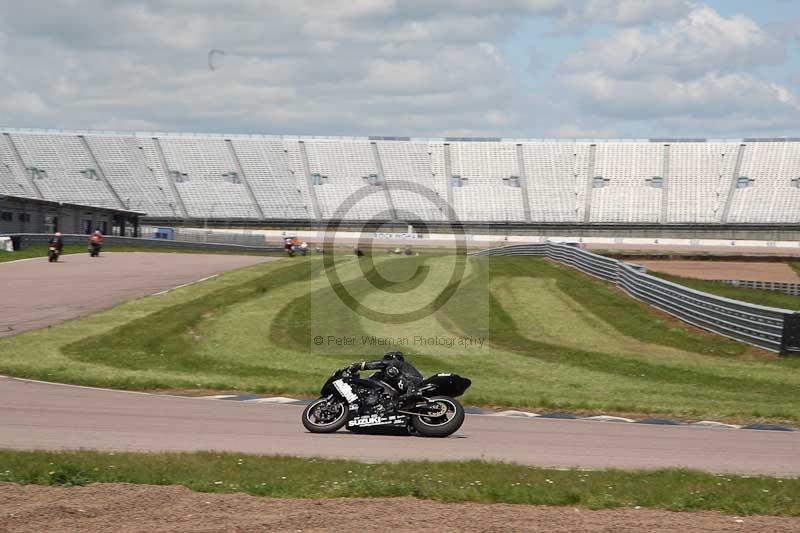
[502,68]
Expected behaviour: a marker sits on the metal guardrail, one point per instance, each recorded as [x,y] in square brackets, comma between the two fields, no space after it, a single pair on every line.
[771,328]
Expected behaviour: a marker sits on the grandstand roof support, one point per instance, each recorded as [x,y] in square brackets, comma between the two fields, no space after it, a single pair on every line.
[448,174]
[102,174]
[663,216]
[732,187]
[170,181]
[385,184]
[18,158]
[523,176]
[312,192]
[587,210]
[246,183]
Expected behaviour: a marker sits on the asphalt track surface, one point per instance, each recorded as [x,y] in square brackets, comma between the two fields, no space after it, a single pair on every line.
[36,415]
[35,293]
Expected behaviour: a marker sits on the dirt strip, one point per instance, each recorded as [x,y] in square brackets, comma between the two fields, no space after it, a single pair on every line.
[715,270]
[121,508]
[697,249]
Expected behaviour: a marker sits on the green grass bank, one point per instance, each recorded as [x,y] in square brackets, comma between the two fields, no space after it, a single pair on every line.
[468,481]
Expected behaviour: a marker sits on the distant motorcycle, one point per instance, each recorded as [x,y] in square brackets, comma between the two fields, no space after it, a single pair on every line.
[94,249]
[52,254]
[348,400]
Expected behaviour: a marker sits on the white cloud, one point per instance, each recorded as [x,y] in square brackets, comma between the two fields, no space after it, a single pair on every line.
[701,42]
[626,12]
[566,12]
[698,70]
[353,67]
[303,67]
[713,95]
[28,103]
[581,129]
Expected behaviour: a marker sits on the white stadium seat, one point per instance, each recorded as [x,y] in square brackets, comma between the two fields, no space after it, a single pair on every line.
[249,177]
[58,164]
[485,194]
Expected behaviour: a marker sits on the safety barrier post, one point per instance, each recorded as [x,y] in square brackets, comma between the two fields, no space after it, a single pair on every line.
[790,339]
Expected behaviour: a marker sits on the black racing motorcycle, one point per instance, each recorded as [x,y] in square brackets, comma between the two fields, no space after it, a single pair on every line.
[367,404]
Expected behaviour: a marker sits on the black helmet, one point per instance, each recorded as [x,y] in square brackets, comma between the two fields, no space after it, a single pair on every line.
[390,356]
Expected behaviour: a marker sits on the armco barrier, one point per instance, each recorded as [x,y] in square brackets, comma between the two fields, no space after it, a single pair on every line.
[32,239]
[774,329]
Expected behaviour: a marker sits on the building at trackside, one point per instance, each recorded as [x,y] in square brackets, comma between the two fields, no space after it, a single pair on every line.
[31,215]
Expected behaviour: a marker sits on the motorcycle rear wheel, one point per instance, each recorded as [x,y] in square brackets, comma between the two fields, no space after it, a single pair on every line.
[442,425]
[317,417]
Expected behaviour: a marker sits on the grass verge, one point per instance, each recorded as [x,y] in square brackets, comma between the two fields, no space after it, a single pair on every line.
[753,296]
[474,481]
[630,317]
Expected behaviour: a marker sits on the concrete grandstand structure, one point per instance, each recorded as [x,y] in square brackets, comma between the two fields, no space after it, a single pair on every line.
[256,179]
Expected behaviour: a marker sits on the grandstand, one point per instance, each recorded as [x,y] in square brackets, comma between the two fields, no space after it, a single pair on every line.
[252,179]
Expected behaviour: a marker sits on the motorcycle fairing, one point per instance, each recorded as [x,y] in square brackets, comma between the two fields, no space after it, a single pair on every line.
[445,385]
[345,390]
[377,420]
[330,387]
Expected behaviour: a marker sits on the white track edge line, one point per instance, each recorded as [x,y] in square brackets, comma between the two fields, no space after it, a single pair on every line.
[88,387]
[185,285]
[22,260]
[265,400]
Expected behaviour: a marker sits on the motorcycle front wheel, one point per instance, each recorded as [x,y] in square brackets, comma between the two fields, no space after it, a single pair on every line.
[446,418]
[325,415]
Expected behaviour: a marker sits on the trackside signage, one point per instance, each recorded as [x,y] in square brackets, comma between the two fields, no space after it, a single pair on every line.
[399,236]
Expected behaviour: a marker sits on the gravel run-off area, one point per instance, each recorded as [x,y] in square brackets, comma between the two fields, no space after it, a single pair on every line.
[120,508]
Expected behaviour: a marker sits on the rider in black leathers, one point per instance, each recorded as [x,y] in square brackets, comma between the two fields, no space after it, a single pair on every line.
[394,370]
[58,241]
